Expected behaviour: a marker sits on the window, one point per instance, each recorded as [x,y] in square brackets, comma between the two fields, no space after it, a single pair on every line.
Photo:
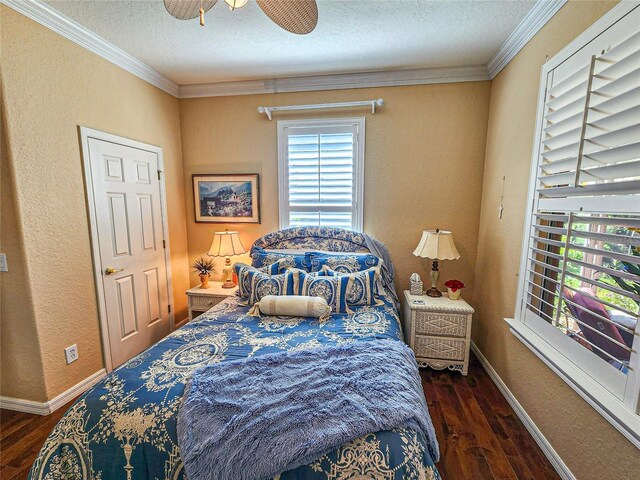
[321,172]
[579,292]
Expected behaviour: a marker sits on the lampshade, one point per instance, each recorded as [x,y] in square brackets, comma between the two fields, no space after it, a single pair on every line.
[437,245]
[226,244]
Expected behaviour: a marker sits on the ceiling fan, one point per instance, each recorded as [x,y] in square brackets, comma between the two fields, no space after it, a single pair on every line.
[295,16]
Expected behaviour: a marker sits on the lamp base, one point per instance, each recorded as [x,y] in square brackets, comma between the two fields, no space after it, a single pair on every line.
[434,274]
[433,292]
[228,284]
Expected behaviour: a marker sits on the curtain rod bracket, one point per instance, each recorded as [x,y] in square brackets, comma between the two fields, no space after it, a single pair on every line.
[266,111]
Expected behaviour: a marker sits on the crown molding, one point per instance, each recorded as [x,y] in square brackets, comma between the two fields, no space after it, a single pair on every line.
[475,73]
[53,20]
[537,18]
[68,28]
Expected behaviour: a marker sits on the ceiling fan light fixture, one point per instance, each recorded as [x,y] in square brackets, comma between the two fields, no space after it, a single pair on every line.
[295,16]
[188,9]
[233,4]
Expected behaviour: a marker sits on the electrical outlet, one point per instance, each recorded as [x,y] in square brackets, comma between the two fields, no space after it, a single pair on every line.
[71,353]
[3,263]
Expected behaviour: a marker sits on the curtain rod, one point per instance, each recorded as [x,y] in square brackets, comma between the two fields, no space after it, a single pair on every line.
[365,103]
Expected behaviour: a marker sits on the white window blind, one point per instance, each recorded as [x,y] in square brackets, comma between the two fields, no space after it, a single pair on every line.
[580,272]
[321,172]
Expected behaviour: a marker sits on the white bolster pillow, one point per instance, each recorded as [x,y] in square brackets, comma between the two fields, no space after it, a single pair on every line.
[292,306]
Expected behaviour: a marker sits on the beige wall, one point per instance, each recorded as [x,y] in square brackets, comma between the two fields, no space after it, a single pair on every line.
[51,86]
[425,168]
[423,163]
[18,334]
[589,445]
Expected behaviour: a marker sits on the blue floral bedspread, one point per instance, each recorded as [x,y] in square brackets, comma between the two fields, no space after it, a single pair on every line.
[125,426]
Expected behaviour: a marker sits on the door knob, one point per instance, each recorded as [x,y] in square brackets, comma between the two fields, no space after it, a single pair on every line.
[111,270]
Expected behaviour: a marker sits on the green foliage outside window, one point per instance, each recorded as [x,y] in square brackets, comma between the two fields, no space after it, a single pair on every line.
[622,301]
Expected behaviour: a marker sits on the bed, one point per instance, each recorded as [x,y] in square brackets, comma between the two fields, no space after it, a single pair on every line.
[125,426]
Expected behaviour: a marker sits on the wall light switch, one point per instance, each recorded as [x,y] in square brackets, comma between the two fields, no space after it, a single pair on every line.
[71,353]
[3,263]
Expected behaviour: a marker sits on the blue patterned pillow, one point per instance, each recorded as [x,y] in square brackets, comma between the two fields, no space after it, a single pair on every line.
[262,284]
[345,263]
[244,282]
[261,257]
[325,272]
[332,289]
[361,286]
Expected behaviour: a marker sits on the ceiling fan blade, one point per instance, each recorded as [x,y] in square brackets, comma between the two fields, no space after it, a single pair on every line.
[295,16]
[187,9]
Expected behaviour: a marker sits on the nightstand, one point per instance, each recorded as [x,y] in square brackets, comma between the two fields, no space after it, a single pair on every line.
[438,330]
[202,299]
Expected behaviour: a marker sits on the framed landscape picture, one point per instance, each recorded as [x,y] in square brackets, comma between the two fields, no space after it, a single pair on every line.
[227,198]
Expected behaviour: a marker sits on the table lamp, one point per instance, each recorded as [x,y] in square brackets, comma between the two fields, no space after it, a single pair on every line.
[226,244]
[437,245]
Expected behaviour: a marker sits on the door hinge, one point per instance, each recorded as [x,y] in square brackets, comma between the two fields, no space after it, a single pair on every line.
[159,172]
[164,244]
[169,308]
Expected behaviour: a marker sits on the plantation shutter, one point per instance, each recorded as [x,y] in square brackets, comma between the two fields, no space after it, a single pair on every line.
[320,167]
[581,271]
[592,131]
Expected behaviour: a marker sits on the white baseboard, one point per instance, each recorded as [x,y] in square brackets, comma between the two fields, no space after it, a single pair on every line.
[535,432]
[26,406]
[45,408]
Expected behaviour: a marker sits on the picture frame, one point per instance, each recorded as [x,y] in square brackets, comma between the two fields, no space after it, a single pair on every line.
[226,198]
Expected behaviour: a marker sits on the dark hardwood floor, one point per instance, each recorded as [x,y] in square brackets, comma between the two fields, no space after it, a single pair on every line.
[480,436]
[21,437]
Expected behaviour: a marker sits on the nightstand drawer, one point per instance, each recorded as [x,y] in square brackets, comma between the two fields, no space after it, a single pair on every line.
[203,301]
[449,325]
[440,347]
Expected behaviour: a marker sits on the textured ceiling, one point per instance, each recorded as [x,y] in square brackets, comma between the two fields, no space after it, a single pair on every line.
[351,36]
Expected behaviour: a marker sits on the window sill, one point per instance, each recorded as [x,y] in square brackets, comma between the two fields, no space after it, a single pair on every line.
[610,407]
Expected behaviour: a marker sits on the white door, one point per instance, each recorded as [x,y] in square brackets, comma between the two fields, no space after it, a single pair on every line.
[128,221]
